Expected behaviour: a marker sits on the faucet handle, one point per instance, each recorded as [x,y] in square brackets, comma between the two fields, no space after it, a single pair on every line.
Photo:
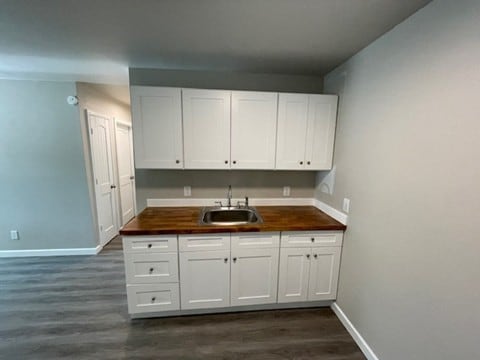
[219,203]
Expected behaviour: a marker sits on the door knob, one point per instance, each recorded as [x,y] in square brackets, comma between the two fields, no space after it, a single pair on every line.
[132,177]
[113,187]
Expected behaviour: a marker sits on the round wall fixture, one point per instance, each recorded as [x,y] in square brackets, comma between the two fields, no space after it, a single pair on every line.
[72,100]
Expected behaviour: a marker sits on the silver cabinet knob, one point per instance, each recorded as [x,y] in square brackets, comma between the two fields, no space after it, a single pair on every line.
[312,239]
[149,246]
[308,256]
[177,161]
[315,256]
[153,299]
[234,259]
[225,260]
[301,162]
[151,270]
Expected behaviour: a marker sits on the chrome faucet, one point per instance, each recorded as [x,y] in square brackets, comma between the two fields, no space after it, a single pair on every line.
[229,196]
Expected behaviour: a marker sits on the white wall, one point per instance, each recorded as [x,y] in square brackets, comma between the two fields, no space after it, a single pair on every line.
[43,192]
[408,156]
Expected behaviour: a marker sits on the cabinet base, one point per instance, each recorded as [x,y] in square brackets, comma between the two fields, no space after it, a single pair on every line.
[294,305]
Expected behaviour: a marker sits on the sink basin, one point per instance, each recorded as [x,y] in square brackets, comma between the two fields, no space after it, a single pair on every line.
[229,216]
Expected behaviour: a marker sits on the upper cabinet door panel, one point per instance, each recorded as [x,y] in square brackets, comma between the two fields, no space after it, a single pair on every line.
[206,125]
[254,126]
[157,127]
[322,117]
[292,130]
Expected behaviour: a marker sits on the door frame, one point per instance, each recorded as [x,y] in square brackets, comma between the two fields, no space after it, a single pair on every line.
[117,122]
[110,121]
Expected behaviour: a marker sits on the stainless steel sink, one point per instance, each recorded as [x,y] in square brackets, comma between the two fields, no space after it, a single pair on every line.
[229,216]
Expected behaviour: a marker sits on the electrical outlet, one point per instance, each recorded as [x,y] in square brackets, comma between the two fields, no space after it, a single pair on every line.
[286,191]
[14,234]
[187,191]
[346,205]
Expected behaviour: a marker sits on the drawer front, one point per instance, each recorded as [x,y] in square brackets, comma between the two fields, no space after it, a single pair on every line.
[255,240]
[152,297]
[205,242]
[151,268]
[148,244]
[311,238]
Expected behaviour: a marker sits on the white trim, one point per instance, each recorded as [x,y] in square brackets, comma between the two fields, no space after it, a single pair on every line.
[337,215]
[362,344]
[211,202]
[50,252]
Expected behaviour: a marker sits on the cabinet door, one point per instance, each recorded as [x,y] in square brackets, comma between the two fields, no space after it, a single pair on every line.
[322,118]
[293,276]
[254,129]
[292,131]
[254,276]
[157,127]
[325,263]
[206,126]
[205,279]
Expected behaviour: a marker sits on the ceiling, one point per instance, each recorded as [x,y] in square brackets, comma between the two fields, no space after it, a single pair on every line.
[97,40]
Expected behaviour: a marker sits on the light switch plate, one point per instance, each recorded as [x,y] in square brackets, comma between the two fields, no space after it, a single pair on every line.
[14,234]
[187,191]
[346,205]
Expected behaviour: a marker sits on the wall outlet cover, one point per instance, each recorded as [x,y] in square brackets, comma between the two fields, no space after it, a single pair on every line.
[286,191]
[14,234]
[346,205]
[187,191]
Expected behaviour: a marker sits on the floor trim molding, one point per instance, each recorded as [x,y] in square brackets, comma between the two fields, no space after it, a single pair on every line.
[362,344]
[50,252]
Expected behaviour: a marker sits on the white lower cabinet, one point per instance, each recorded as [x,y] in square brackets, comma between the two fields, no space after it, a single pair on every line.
[205,279]
[151,272]
[308,274]
[254,274]
[223,270]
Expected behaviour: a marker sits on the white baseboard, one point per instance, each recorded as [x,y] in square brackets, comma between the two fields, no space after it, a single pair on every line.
[327,209]
[362,344]
[50,252]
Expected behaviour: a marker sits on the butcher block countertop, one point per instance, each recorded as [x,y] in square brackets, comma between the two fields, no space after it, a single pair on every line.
[185,220]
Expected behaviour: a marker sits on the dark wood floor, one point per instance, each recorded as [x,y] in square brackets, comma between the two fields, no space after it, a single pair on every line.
[74,307]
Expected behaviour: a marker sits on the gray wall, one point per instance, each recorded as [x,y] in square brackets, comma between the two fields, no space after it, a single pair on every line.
[160,184]
[226,80]
[213,184]
[44,193]
[407,155]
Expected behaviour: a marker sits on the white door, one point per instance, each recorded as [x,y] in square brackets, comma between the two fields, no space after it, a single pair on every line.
[205,279]
[293,274]
[254,276]
[206,126]
[322,118]
[325,264]
[292,131]
[157,127]
[102,163]
[126,176]
[254,129]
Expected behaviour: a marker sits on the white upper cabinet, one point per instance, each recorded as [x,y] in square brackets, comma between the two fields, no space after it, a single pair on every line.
[206,126]
[157,127]
[306,131]
[254,126]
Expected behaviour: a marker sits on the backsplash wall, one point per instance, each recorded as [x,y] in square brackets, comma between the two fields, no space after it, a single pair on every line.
[168,184]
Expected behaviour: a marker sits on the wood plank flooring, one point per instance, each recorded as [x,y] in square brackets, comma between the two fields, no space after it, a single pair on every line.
[74,307]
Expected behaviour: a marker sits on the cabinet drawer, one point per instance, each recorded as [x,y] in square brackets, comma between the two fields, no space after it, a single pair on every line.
[204,242]
[255,240]
[147,244]
[152,297]
[151,268]
[311,238]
